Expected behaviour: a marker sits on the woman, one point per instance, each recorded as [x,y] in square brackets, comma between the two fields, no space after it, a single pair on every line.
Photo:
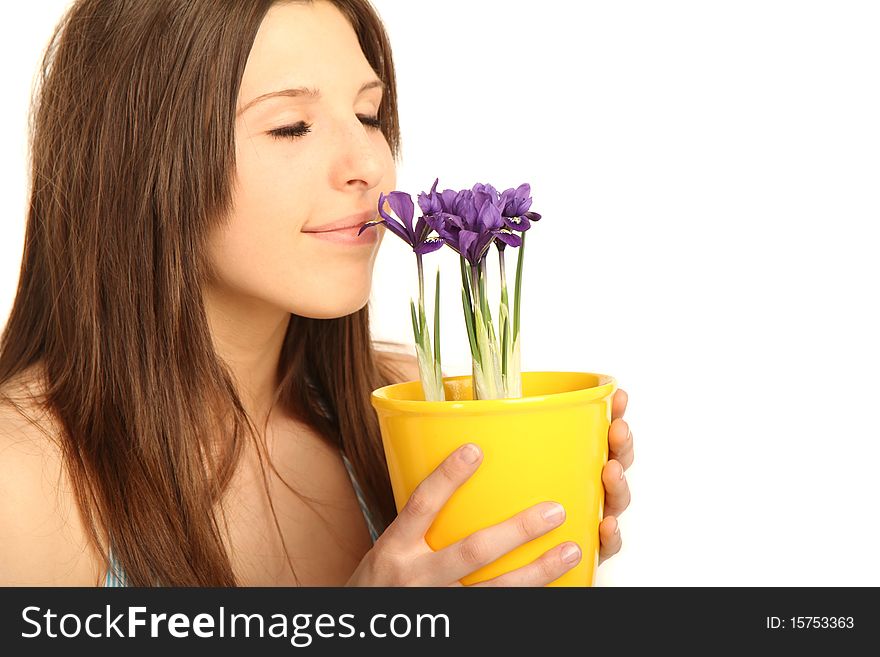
[186,363]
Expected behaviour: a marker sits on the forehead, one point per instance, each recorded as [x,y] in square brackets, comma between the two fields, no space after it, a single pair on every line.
[304,44]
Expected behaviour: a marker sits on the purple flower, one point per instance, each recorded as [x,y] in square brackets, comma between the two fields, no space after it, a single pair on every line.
[515,204]
[468,221]
[431,203]
[450,213]
[492,192]
[402,205]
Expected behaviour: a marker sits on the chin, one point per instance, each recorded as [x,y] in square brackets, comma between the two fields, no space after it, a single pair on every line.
[325,310]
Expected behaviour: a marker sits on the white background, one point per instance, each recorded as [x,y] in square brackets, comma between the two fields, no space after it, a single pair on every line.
[708,175]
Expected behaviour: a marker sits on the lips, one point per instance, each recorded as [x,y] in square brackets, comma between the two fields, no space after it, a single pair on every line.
[352,221]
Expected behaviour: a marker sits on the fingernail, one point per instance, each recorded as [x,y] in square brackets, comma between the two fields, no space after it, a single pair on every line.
[470,453]
[621,472]
[617,529]
[571,554]
[553,513]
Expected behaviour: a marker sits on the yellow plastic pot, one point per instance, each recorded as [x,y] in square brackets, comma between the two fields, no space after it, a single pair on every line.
[549,445]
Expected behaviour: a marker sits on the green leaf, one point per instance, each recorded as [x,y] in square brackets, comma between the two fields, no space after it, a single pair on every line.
[426,345]
[486,357]
[466,281]
[484,302]
[469,323]
[437,318]
[422,320]
[518,287]
[490,368]
[416,333]
[504,346]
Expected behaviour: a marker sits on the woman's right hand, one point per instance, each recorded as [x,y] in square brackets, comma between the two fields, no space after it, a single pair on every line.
[402,557]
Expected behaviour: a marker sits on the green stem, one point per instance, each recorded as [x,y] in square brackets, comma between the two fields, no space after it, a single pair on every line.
[503,317]
[478,330]
[437,320]
[484,378]
[484,297]
[518,286]
[495,360]
[421,280]
[467,303]
[489,362]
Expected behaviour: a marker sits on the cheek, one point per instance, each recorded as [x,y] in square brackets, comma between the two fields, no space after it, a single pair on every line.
[261,254]
[389,180]
[298,274]
[263,228]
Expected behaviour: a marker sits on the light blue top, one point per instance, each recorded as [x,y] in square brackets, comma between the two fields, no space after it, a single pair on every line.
[116,577]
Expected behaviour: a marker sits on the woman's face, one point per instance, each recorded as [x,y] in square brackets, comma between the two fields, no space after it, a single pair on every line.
[287,184]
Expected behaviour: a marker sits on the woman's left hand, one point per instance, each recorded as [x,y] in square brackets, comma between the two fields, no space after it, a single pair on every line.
[617,496]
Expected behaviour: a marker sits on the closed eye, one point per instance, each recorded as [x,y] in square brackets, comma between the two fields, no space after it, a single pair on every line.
[302,128]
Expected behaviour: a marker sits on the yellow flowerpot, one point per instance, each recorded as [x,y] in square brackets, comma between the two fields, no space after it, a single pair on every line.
[549,445]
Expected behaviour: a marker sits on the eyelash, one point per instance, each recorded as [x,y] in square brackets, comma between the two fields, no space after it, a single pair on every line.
[302,128]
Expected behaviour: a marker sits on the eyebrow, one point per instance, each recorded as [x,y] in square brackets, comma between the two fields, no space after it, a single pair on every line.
[307,92]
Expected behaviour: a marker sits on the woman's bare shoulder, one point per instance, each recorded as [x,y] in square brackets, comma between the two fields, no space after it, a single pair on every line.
[404,362]
[42,538]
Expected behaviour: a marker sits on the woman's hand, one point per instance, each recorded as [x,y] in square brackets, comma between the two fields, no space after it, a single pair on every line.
[402,557]
[617,495]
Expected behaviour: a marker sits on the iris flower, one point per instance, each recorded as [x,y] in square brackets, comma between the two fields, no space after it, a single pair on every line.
[469,221]
[421,243]
[417,238]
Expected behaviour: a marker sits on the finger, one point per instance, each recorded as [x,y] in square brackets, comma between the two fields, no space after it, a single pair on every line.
[620,443]
[617,495]
[618,403]
[415,518]
[610,541]
[486,545]
[550,566]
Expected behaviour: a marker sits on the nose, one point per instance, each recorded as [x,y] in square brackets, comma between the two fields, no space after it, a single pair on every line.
[359,162]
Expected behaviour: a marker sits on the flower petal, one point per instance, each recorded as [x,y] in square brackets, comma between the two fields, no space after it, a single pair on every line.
[507,203]
[487,189]
[371,224]
[448,198]
[454,222]
[517,223]
[522,200]
[399,230]
[490,217]
[430,245]
[421,230]
[447,226]
[509,238]
[430,202]
[467,240]
[484,241]
[385,215]
[436,221]
[465,208]
[402,205]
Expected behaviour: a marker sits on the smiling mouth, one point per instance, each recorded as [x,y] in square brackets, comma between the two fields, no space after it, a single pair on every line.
[336,230]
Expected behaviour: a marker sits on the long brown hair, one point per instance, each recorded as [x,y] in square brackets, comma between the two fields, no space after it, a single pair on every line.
[132,163]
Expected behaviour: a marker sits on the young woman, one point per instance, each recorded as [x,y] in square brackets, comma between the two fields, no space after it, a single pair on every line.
[187,367]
